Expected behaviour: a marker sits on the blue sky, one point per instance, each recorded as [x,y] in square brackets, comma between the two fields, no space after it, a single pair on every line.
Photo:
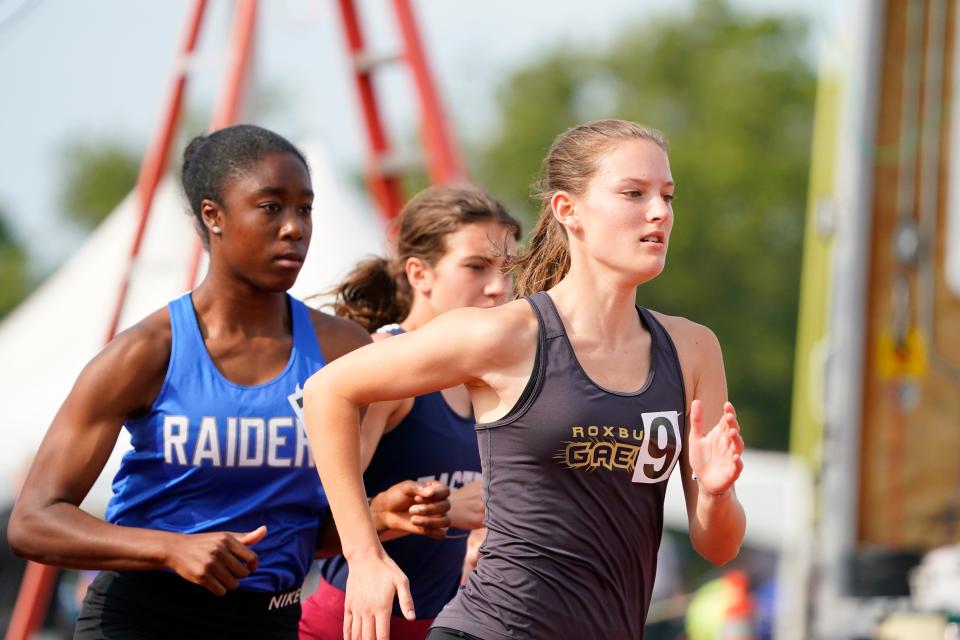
[100,69]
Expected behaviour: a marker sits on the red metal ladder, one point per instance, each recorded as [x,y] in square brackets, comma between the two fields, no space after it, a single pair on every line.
[384,174]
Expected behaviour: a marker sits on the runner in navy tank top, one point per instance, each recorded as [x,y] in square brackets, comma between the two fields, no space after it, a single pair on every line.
[450,245]
[579,398]
[216,510]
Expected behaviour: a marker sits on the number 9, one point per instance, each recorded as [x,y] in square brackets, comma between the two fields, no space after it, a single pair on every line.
[660,448]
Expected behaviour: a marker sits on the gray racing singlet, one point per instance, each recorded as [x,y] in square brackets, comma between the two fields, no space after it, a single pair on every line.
[574,480]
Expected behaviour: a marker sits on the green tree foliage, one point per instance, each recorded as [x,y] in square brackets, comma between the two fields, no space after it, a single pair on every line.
[734,94]
[13,270]
[98,175]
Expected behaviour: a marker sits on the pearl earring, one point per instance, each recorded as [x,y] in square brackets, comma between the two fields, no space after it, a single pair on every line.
[216,230]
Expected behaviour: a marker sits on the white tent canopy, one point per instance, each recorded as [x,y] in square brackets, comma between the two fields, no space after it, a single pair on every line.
[45,342]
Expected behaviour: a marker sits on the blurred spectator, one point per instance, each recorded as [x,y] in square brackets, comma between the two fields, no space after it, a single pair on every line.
[723,609]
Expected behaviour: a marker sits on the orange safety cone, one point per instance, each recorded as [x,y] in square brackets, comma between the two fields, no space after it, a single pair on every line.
[739,621]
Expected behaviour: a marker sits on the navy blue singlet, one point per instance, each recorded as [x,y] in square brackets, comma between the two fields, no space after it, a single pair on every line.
[217,456]
[432,442]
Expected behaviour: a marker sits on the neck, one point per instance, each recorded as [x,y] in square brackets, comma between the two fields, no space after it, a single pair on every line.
[226,303]
[421,312]
[599,307]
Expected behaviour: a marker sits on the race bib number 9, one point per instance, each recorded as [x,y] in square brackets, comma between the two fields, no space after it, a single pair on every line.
[660,448]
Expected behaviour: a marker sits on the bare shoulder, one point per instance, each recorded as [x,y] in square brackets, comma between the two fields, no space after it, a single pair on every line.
[687,334]
[499,331]
[513,318]
[128,372]
[697,345]
[145,345]
[337,336]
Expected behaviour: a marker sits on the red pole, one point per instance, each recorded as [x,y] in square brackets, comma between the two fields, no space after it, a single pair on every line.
[238,65]
[443,161]
[33,599]
[386,189]
[155,159]
[228,107]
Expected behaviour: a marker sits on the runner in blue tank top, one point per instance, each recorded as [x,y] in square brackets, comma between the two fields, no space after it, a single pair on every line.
[217,508]
[449,254]
[584,403]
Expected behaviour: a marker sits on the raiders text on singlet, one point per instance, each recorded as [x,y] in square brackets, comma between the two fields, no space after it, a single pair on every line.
[217,456]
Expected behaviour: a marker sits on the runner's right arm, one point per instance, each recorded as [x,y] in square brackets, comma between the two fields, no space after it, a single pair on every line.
[47,524]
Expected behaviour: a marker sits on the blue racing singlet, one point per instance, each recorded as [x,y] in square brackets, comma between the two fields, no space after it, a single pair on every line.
[432,442]
[217,456]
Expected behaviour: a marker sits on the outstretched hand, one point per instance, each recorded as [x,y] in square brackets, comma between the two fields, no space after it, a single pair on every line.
[715,456]
[414,507]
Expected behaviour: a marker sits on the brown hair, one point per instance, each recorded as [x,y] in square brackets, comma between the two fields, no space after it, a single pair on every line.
[377,292]
[569,166]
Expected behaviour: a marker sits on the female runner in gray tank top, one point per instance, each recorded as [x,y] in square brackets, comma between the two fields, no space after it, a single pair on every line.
[585,403]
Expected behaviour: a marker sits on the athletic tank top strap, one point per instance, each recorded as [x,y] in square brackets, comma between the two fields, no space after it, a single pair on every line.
[186,339]
[304,335]
[664,360]
[551,326]
[393,329]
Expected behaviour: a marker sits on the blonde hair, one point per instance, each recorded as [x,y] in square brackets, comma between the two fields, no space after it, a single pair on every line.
[569,166]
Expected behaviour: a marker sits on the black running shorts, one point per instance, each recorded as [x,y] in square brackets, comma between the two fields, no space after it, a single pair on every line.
[157,604]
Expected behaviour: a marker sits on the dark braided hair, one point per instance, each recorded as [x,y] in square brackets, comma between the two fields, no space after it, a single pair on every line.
[208,161]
